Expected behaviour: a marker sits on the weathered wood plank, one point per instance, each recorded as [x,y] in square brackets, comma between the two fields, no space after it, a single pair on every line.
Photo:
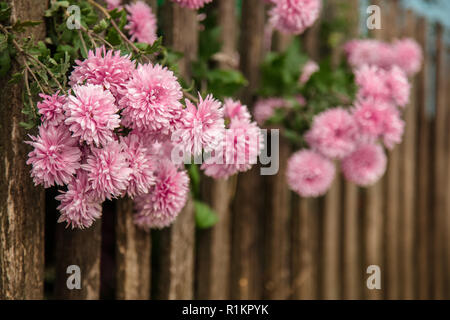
[81,248]
[21,203]
[248,206]
[177,243]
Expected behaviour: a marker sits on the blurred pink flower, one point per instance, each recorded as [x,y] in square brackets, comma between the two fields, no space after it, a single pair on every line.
[113,4]
[309,173]
[235,110]
[79,207]
[55,157]
[399,86]
[294,16]
[141,22]
[51,108]
[160,207]
[370,116]
[308,70]
[408,55]
[91,114]
[151,100]
[201,127]
[192,4]
[141,163]
[106,68]
[108,171]
[264,109]
[372,83]
[394,128]
[366,165]
[333,133]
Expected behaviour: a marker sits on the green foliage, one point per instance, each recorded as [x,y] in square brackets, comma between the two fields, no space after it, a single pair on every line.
[205,216]
[220,82]
[328,88]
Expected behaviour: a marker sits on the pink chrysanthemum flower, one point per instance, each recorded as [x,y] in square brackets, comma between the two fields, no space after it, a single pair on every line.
[106,68]
[242,144]
[308,70]
[201,127]
[91,114]
[160,207]
[369,52]
[366,165]
[372,83]
[294,16]
[399,86]
[370,116]
[51,108]
[151,100]
[192,4]
[79,207]
[55,157]
[309,173]
[141,22]
[393,130]
[408,55]
[333,133]
[235,110]
[141,164]
[113,4]
[265,108]
[108,170]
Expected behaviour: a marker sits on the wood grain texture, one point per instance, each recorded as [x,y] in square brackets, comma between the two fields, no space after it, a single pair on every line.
[440,138]
[21,203]
[213,261]
[177,243]
[248,206]
[423,173]
[133,253]
[81,248]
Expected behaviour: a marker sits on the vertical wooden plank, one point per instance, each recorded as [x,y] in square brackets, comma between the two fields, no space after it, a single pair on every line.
[423,172]
[21,203]
[133,246]
[407,231]
[214,244]
[352,264]
[304,250]
[248,206]
[447,211]
[177,243]
[277,220]
[305,219]
[391,280]
[133,250]
[81,248]
[373,202]
[440,137]
[331,285]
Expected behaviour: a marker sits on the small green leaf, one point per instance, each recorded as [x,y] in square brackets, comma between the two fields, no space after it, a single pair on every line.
[205,216]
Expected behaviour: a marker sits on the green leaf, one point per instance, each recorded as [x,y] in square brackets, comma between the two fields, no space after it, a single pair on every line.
[5,12]
[205,216]
[16,78]
[194,175]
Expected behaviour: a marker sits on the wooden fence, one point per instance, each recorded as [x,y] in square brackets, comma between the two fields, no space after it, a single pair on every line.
[268,243]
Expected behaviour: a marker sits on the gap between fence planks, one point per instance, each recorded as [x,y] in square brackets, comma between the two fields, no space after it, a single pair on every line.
[175,278]
[21,203]
[214,245]
[248,207]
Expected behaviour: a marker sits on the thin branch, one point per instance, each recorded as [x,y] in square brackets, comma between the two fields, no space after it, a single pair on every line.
[82,41]
[34,76]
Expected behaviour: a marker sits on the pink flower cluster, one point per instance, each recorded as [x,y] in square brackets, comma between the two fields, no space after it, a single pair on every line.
[355,137]
[294,16]
[404,53]
[265,109]
[115,133]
